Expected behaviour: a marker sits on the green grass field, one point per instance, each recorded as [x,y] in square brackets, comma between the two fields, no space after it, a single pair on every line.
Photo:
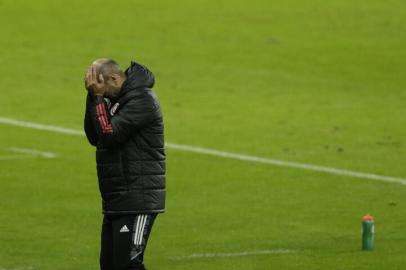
[316,82]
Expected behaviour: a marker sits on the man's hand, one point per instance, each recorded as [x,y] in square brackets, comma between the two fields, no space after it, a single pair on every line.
[93,83]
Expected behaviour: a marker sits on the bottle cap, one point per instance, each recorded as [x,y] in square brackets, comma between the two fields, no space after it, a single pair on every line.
[367,217]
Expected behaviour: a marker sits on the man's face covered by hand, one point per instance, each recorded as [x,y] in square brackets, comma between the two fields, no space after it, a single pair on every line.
[107,85]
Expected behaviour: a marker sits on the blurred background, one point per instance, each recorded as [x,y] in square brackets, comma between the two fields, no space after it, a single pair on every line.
[312,82]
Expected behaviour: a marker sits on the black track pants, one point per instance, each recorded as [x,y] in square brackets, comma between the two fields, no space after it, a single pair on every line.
[123,241]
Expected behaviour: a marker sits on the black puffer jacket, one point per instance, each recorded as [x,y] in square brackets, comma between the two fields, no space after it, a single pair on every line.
[129,135]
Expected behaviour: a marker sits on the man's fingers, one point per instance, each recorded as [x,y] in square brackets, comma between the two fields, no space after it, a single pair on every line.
[94,75]
[88,74]
[94,82]
[86,79]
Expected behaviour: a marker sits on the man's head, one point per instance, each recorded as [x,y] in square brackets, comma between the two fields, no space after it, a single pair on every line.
[113,76]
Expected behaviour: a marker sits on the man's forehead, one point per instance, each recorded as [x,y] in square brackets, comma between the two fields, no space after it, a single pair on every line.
[100,61]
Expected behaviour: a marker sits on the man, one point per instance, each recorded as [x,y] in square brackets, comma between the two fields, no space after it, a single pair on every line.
[124,121]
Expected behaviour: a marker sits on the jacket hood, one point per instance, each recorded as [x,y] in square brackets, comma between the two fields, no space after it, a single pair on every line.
[138,76]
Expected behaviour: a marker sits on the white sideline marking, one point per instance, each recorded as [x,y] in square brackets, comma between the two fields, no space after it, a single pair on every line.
[231,254]
[13,122]
[213,152]
[28,153]
[32,152]
[290,164]
[18,268]
[14,158]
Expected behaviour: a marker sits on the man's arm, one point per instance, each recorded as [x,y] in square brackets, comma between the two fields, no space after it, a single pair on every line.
[90,130]
[134,115]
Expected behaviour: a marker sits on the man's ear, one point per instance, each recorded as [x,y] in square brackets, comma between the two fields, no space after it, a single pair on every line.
[114,77]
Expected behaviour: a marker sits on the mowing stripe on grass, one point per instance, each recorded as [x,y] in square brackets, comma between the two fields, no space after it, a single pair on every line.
[231,254]
[213,152]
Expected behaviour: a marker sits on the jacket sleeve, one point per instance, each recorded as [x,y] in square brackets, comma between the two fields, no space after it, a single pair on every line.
[134,115]
[90,130]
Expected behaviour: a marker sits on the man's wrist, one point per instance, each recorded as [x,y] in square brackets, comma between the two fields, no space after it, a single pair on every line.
[98,98]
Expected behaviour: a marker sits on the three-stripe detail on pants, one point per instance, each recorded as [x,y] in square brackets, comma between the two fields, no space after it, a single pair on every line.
[139,225]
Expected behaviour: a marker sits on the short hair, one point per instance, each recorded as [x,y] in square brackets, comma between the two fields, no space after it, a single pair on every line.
[108,67]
